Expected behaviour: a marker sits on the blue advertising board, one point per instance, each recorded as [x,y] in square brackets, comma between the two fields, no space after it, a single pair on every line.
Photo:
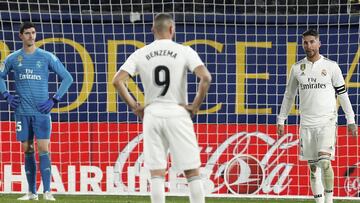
[249,58]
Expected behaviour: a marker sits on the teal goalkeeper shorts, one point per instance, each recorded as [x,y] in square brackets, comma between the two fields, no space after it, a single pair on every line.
[28,126]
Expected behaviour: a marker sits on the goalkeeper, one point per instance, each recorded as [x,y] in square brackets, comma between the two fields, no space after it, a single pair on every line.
[319,80]
[32,105]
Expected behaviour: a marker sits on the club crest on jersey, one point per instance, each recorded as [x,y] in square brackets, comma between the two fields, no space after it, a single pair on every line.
[19,59]
[323,72]
[38,64]
[302,67]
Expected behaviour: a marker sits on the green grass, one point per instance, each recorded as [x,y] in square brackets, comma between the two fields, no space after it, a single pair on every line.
[146,199]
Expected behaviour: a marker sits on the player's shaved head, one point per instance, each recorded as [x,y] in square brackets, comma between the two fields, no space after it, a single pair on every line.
[162,22]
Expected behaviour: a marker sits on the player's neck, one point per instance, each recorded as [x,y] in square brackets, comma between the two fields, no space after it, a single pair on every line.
[314,58]
[29,49]
[160,38]
[163,36]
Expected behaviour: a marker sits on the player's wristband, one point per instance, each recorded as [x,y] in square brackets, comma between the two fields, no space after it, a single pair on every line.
[56,99]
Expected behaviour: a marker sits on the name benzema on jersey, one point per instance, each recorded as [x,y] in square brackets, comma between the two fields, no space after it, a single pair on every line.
[161,53]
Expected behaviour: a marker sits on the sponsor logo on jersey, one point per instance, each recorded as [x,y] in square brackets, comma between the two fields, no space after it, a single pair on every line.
[29,75]
[312,86]
[312,83]
[19,59]
[323,72]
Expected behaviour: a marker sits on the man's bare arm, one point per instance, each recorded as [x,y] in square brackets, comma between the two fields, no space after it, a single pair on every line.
[205,80]
[119,83]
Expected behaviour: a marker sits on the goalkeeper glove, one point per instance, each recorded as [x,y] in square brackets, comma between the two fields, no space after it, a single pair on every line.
[14,101]
[46,106]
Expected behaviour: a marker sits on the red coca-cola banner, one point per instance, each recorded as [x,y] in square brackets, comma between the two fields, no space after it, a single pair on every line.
[106,158]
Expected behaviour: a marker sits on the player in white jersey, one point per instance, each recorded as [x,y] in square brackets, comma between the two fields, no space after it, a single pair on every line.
[319,80]
[167,123]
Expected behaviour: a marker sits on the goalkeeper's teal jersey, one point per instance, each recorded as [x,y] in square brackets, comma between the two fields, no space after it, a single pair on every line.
[31,74]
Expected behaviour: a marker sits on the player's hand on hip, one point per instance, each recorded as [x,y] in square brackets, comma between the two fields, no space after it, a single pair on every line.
[139,111]
[280,129]
[45,107]
[13,101]
[353,129]
[190,108]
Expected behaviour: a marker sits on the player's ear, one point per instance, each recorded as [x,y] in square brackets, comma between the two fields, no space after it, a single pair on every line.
[153,30]
[172,28]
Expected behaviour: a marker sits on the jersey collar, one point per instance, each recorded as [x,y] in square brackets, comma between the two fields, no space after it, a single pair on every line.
[23,51]
[320,59]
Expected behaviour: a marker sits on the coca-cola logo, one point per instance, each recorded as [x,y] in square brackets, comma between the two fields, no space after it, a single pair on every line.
[237,157]
[352,180]
[234,165]
[244,175]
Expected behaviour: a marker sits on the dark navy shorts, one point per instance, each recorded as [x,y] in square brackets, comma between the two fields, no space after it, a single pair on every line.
[28,126]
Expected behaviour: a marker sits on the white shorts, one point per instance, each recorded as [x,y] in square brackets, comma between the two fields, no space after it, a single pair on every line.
[174,134]
[317,139]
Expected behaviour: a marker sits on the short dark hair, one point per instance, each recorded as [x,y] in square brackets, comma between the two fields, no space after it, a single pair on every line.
[26,25]
[311,32]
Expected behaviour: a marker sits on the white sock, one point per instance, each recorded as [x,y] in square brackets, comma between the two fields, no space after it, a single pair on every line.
[329,197]
[316,185]
[197,193]
[157,188]
[327,178]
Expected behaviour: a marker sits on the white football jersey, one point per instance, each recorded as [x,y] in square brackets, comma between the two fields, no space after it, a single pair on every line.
[163,67]
[316,83]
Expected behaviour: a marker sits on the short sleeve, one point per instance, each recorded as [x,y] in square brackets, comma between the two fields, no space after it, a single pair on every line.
[193,59]
[130,65]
